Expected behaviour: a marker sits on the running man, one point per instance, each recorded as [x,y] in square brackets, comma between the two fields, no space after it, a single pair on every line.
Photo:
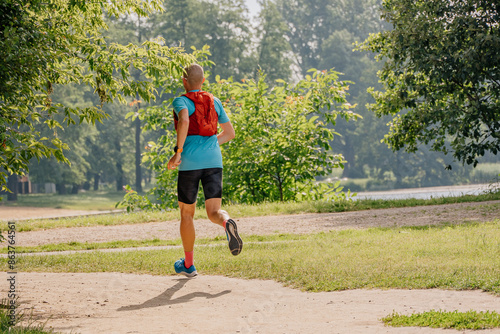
[199,158]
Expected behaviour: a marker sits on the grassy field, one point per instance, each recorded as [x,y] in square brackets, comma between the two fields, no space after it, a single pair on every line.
[448,257]
[90,200]
[441,319]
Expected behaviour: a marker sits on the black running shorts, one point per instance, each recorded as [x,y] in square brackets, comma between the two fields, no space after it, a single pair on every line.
[189,181]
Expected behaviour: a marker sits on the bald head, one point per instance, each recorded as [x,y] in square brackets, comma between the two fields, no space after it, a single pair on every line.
[194,76]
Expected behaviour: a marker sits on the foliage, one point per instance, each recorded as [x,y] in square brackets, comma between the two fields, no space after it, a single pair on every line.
[56,42]
[132,200]
[273,50]
[442,319]
[222,26]
[29,328]
[307,34]
[321,35]
[282,144]
[441,76]
[283,137]
[314,25]
[74,135]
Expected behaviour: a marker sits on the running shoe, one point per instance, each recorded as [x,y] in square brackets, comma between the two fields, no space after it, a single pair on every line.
[181,269]
[233,239]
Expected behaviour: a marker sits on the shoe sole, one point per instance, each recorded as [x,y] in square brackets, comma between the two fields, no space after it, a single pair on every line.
[234,240]
[183,272]
[193,274]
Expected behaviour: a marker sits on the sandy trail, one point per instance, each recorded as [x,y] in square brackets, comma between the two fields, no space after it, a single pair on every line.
[127,303]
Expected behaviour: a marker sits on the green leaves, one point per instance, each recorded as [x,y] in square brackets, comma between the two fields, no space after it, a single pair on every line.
[54,43]
[441,75]
[282,135]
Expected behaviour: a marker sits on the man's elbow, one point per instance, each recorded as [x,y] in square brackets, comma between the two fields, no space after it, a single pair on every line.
[183,122]
[232,134]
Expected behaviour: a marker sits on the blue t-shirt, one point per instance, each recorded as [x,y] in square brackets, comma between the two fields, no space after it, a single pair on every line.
[200,152]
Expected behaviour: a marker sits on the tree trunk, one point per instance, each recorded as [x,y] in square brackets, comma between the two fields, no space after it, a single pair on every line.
[61,188]
[349,157]
[119,166]
[75,188]
[280,187]
[138,170]
[97,178]
[119,177]
[397,173]
[12,184]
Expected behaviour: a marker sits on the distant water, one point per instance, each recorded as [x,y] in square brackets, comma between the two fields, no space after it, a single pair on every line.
[426,193]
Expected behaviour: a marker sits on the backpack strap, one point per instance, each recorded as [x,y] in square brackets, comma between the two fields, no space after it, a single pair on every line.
[204,120]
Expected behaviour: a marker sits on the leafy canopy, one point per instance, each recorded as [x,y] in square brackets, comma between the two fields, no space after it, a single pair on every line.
[441,75]
[57,42]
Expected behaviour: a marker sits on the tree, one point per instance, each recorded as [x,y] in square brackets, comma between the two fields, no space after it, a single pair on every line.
[441,76]
[57,42]
[74,136]
[311,25]
[321,35]
[273,50]
[282,144]
[308,23]
[111,148]
[221,25]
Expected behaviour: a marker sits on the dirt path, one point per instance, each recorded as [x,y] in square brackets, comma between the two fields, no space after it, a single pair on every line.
[127,303]
[124,303]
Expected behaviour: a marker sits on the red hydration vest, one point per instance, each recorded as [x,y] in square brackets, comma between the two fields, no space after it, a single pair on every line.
[203,121]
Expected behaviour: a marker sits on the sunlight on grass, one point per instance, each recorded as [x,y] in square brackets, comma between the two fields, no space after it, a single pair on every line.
[91,200]
[75,246]
[448,257]
[442,319]
[94,220]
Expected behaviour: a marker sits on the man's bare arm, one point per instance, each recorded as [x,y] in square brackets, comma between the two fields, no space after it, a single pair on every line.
[227,133]
[182,131]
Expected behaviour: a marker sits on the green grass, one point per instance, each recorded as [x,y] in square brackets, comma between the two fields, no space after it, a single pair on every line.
[240,210]
[22,324]
[457,257]
[90,200]
[442,319]
[76,246]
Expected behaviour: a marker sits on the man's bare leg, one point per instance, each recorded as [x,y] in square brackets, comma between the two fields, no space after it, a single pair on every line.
[187,226]
[221,217]
[214,212]
[187,230]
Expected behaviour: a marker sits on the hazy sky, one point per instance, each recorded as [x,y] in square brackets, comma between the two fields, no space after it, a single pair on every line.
[253,6]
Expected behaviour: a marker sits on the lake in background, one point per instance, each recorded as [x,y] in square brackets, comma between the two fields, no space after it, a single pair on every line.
[427,193]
